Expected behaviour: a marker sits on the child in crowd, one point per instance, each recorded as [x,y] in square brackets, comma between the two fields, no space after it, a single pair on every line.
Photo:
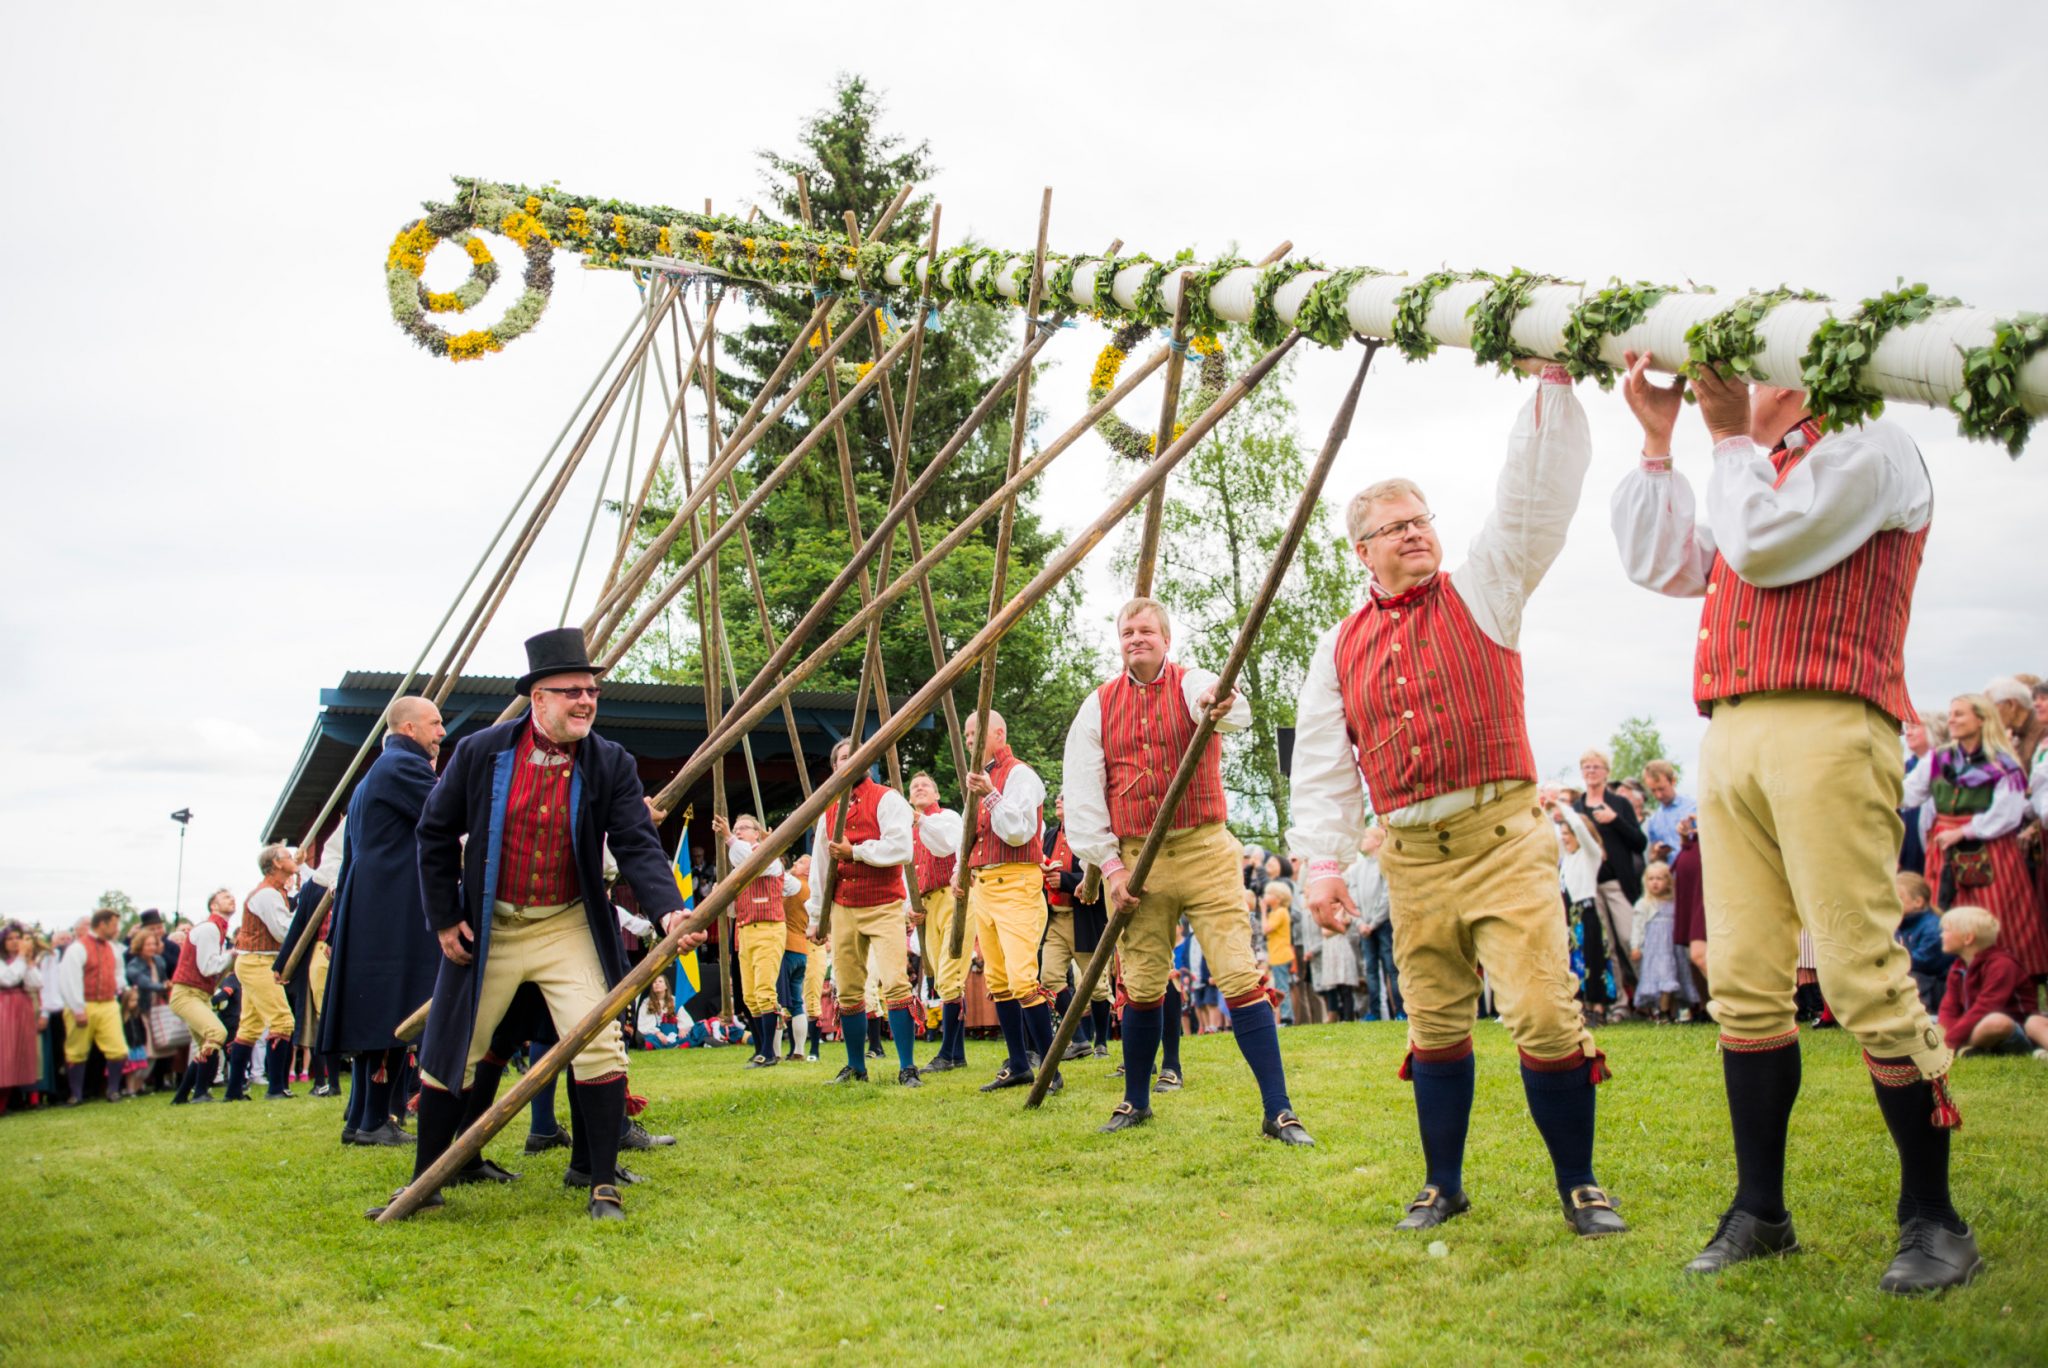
[1920,932]
[1989,1007]
[1657,978]
[1578,876]
[659,1029]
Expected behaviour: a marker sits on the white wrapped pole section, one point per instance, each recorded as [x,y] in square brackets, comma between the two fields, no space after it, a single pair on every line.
[1918,363]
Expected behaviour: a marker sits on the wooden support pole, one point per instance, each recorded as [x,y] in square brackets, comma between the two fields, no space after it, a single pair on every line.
[1191,758]
[1020,421]
[759,696]
[471,1142]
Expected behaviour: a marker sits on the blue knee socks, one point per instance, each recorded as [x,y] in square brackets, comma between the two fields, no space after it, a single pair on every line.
[1169,1033]
[1258,1039]
[1037,1020]
[855,1027]
[1561,1103]
[1142,1026]
[905,1037]
[1011,1018]
[540,1113]
[952,1033]
[1443,1111]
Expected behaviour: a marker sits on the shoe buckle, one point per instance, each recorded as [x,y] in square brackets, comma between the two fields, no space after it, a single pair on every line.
[1584,1197]
[1426,1198]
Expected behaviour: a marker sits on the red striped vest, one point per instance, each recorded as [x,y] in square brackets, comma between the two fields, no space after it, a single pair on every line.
[989,849]
[864,885]
[1145,731]
[759,901]
[253,937]
[1065,860]
[100,970]
[187,971]
[933,872]
[1843,631]
[1433,704]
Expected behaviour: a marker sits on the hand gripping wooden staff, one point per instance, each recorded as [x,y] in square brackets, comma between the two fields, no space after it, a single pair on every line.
[1183,775]
[471,1142]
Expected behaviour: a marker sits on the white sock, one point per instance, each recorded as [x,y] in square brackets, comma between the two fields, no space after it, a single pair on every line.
[799,1033]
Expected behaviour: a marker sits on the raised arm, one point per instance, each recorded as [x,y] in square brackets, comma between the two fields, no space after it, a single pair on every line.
[1663,545]
[1549,449]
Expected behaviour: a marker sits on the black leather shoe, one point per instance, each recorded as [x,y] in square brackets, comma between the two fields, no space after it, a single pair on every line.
[322,1090]
[1006,1079]
[757,1062]
[540,1144]
[433,1203]
[605,1204]
[1591,1212]
[1432,1207]
[1287,1129]
[846,1075]
[202,1097]
[637,1138]
[1931,1257]
[770,1061]
[1168,1081]
[1125,1117]
[349,1136]
[387,1135]
[282,1094]
[907,1078]
[1101,1051]
[1079,1049]
[576,1177]
[942,1064]
[1117,1072]
[482,1171]
[1741,1236]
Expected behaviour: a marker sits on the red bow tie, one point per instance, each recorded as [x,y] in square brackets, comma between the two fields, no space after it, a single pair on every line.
[1405,597]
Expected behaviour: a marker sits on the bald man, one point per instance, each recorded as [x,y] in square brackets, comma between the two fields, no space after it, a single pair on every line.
[1003,890]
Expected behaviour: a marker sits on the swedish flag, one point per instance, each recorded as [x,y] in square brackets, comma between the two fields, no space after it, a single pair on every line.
[689,975]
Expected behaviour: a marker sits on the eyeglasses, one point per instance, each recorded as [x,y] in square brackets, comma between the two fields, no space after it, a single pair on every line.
[1403,527]
[589,691]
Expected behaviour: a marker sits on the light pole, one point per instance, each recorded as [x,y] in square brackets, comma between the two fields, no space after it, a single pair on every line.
[183,817]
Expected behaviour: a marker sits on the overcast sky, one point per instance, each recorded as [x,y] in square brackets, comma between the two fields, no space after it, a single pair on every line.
[230,478]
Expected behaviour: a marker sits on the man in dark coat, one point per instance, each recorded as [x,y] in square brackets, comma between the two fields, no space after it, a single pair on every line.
[524,901]
[383,955]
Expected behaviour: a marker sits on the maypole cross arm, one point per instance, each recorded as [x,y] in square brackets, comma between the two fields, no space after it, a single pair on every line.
[1990,367]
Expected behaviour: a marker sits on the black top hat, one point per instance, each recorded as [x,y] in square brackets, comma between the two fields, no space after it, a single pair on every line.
[151,918]
[560,651]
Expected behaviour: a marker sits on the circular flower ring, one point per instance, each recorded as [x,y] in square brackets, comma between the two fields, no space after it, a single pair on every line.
[1133,443]
[412,302]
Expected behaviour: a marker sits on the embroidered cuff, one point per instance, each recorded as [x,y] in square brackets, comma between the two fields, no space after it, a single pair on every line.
[1657,465]
[1113,865]
[1740,447]
[1555,374]
[1324,869]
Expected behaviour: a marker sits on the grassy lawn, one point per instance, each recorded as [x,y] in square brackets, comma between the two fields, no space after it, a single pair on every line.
[801,1224]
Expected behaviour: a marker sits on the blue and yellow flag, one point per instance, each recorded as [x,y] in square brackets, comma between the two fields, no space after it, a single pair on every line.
[689,975]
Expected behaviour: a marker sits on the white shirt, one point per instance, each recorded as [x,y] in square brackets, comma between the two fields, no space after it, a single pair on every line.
[1013,810]
[1369,893]
[2037,786]
[1850,486]
[51,966]
[1549,450]
[272,909]
[21,972]
[71,975]
[892,847]
[738,852]
[2008,806]
[1085,782]
[1579,870]
[209,949]
[328,875]
[940,831]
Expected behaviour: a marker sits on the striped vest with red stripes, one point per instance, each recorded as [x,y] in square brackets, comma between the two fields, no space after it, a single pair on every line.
[101,970]
[864,885]
[1843,631]
[187,971]
[1432,703]
[1145,731]
[933,872]
[990,849]
[759,901]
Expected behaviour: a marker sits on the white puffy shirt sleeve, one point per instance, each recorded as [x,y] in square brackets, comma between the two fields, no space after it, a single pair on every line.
[1193,684]
[210,949]
[1549,451]
[1663,545]
[328,875]
[821,863]
[71,976]
[2037,785]
[272,910]
[2008,809]
[1013,814]
[1328,791]
[892,847]
[940,832]
[1085,786]
[1848,487]
[738,851]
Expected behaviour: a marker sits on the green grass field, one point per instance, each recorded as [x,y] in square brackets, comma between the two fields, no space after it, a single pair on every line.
[796,1223]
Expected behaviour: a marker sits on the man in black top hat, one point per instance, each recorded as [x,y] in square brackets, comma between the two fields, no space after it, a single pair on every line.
[524,901]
